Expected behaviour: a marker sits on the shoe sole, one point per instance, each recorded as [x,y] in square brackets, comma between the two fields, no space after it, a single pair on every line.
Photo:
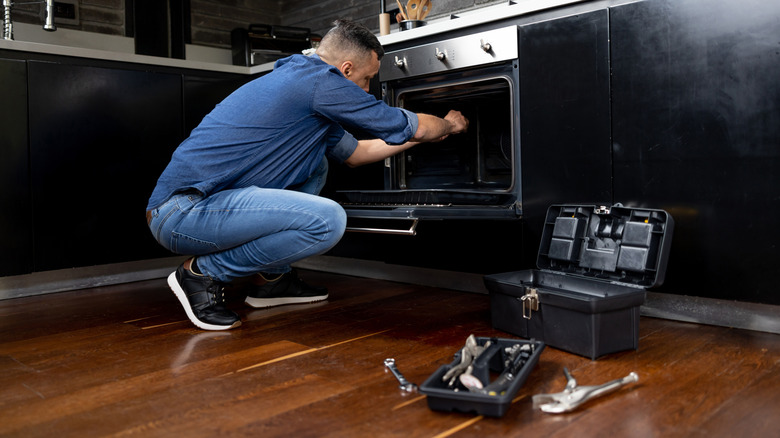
[261,303]
[179,292]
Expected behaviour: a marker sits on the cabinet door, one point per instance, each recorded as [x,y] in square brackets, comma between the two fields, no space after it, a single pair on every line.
[564,116]
[99,139]
[202,92]
[15,219]
[564,79]
[696,130]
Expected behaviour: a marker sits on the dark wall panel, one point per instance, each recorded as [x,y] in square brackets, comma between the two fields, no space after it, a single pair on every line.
[696,106]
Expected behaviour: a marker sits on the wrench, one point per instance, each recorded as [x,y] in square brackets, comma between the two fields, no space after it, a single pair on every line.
[404,384]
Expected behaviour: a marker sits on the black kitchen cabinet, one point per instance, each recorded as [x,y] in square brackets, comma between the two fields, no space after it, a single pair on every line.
[564,117]
[203,91]
[696,131]
[16,217]
[83,144]
[100,138]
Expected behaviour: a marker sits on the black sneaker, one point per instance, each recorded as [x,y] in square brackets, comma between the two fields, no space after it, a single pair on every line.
[286,289]
[203,299]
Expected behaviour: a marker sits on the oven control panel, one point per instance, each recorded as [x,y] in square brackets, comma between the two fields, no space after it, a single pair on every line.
[457,53]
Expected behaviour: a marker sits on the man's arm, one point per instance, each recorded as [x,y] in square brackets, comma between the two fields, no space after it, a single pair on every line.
[370,151]
[432,128]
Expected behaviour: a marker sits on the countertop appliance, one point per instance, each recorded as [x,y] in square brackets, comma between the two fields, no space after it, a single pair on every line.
[261,43]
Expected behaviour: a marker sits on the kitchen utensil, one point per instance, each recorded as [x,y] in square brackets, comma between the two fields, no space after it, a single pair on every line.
[384,23]
[413,9]
[401,10]
[425,8]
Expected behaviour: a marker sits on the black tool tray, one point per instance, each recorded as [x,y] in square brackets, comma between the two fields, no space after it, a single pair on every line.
[488,367]
[595,264]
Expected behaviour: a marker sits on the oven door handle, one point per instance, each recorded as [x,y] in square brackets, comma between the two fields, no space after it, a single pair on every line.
[412,231]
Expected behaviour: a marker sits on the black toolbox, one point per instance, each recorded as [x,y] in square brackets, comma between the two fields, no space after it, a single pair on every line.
[500,372]
[595,264]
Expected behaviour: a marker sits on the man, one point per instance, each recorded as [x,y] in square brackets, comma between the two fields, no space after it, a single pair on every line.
[240,194]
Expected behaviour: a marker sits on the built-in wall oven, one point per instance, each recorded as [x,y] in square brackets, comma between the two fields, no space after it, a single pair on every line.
[470,175]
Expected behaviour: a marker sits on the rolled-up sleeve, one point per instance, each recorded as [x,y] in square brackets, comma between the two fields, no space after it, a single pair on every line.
[344,148]
[413,122]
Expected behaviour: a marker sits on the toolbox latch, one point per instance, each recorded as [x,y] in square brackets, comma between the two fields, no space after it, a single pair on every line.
[530,302]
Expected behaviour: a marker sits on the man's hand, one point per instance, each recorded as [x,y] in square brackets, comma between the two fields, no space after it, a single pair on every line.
[432,128]
[460,123]
[370,151]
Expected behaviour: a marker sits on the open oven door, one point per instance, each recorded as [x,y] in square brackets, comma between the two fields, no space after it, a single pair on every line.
[475,175]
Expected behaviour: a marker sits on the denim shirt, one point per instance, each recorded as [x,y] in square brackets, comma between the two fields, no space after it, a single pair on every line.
[274,131]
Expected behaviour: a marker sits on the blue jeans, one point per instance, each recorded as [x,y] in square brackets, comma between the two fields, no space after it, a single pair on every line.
[239,232]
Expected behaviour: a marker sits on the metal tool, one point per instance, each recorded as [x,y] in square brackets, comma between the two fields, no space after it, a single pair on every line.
[404,384]
[467,355]
[573,396]
[515,358]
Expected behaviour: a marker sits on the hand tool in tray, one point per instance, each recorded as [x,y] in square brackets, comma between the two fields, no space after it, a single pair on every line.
[484,376]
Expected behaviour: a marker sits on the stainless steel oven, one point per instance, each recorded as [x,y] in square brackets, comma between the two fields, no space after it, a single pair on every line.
[466,176]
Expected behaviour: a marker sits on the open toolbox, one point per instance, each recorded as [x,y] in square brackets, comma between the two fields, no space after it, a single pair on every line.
[595,264]
[497,371]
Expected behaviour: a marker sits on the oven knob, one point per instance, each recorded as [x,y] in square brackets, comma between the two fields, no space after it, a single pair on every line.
[441,56]
[485,46]
[400,63]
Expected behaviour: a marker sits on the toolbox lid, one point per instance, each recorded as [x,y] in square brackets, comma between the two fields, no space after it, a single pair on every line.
[614,244]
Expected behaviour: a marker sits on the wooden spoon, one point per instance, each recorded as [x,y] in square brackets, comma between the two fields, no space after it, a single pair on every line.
[401,10]
[413,9]
[425,8]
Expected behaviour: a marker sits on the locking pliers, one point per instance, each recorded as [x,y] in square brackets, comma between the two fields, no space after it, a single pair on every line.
[573,396]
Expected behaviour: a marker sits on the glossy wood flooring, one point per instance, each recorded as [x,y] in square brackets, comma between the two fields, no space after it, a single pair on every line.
[123,361]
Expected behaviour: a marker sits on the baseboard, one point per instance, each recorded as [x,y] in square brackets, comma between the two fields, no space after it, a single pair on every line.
[61,280]
[736,314]
[710,311]
[460,281]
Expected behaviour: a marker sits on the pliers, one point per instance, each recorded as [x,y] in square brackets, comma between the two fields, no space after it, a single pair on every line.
[573,396]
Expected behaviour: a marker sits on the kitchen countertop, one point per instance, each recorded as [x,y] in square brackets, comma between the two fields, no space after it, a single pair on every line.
[475,17]
[53,49]
[436,26]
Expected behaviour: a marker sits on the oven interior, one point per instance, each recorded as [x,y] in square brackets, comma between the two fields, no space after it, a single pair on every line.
[480,159]
[476,168]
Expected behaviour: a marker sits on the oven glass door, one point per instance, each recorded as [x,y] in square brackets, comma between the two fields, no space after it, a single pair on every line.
[470,175]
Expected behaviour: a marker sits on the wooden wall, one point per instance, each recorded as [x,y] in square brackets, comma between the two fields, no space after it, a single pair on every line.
[212,20]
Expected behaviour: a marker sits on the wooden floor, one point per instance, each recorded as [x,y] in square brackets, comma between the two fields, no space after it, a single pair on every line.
[123,361]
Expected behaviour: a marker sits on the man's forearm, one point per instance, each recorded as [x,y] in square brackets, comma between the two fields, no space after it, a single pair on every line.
[431,128]
[370,151]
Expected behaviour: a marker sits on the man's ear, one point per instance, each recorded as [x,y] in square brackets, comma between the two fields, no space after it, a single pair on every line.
[346,68]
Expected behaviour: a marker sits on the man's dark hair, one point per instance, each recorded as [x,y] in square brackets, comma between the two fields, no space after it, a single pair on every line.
[355,37]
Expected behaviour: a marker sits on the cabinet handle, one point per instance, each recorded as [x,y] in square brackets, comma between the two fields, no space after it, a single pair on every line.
[412,231]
